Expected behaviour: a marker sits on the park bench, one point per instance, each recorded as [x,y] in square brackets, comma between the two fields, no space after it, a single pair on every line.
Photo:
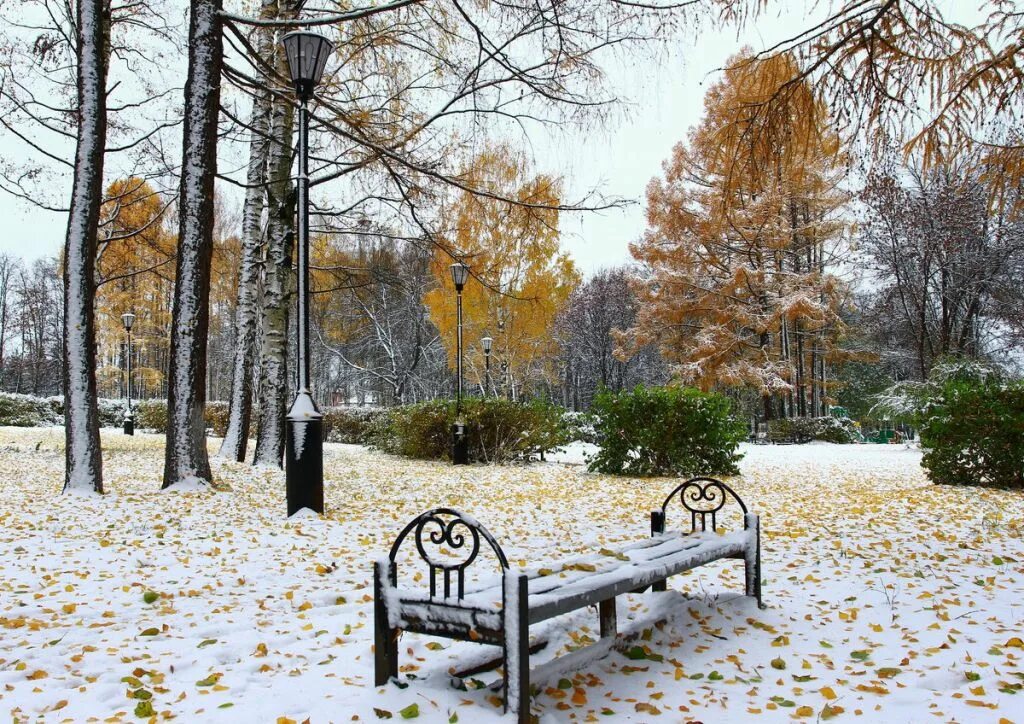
[498,610]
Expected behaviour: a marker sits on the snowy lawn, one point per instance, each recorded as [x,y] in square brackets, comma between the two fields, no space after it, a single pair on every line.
[889,599]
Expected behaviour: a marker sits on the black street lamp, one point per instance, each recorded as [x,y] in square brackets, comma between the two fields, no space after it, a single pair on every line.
[128,319]
[487,342]
[307,55]
[460,445]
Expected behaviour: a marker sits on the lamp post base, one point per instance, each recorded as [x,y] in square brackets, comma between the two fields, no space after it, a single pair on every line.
[129,425]
[460,444]
[304,456]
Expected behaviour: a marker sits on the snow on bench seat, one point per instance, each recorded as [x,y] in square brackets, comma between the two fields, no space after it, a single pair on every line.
[498,610]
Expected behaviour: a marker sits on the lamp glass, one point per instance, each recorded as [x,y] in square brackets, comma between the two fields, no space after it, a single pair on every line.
[460,273]
[487,341]
[128,319]
[307,55]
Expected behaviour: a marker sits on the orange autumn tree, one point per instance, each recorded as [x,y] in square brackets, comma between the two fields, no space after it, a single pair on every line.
[520,276]
[135,266]
[735,289]
[135,270]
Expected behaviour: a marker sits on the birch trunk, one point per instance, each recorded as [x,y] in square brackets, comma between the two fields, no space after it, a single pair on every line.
[186,455]
[273,387]
[236,438]
[83,458]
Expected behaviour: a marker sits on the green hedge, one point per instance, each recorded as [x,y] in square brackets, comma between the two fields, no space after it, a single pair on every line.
[973,434]
[351,425]
[28,411]
[665,431]
[151,415]
[805,429]
[498,430]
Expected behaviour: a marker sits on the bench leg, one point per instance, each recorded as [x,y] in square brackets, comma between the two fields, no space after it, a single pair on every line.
[606,610]
[385,639]
[516,627]
[657,528]
[752,560]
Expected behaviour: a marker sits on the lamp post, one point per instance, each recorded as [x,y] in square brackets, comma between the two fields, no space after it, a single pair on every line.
[487,342]
[460,445]
[307,55]
[128,319]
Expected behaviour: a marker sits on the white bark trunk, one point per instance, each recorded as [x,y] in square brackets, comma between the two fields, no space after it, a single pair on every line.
[186,455]
[273,388]
[236,438]
[84,462]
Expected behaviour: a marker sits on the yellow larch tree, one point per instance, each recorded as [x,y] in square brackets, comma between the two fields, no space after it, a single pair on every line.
[520,278]
[735,290]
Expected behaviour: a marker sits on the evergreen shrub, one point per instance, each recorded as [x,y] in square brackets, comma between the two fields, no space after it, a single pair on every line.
[805,429]
[498,430]
[666,431]
[350,425]
[151,415]
[973,434]
[28,411]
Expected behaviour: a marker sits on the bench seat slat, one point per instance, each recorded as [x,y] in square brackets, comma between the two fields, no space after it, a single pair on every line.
[572,587]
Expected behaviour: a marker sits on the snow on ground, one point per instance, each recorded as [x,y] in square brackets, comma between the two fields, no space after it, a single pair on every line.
[889,599]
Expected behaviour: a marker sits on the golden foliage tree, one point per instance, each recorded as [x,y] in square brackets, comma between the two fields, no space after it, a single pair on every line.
[899,70]
[509,237]
[735,290]
[135,273]
[135,267]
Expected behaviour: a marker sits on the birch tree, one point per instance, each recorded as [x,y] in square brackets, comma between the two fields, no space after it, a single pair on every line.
[247,316]
[186,456]
[83,459]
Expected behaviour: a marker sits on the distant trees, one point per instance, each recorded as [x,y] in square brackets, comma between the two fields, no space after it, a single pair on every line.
[596,313]
[946,265]
[741,231]
[521,277]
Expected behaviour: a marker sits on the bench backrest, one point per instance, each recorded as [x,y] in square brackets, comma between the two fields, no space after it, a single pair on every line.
[459,534]
[703,498]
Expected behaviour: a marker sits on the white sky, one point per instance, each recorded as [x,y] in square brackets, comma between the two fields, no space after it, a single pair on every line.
[661,98]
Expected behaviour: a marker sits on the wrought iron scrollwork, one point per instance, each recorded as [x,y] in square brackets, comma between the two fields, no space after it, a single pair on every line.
[703,497]
[459,535]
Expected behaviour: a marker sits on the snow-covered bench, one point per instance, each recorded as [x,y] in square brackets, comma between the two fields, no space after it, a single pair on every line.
[500,609]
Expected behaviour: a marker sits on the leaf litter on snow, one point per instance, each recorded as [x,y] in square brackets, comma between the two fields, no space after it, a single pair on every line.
[888,597]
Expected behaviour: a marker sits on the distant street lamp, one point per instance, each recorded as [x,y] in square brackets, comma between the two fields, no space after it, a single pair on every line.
[487,342]
[460,445]
[307,55]
[128,319]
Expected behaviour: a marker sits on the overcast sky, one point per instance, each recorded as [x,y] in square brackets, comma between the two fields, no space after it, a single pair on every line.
[661,99]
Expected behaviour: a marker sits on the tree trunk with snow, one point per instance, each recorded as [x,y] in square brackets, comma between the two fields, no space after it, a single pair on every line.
[186,456]
[83,458]
[277,287]
[236,438]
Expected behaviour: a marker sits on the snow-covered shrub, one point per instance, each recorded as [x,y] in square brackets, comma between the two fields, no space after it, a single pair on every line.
[498,430]
[805,429]
[350,425]
[111,411]
[216,415]
[666,431]
[28,411]
[973,433]
[151,415]
[579,426]
[909,401]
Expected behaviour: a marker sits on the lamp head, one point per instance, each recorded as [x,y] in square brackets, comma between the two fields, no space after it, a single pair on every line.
[307,54]
[128,319]
[460,273]
[486,342]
